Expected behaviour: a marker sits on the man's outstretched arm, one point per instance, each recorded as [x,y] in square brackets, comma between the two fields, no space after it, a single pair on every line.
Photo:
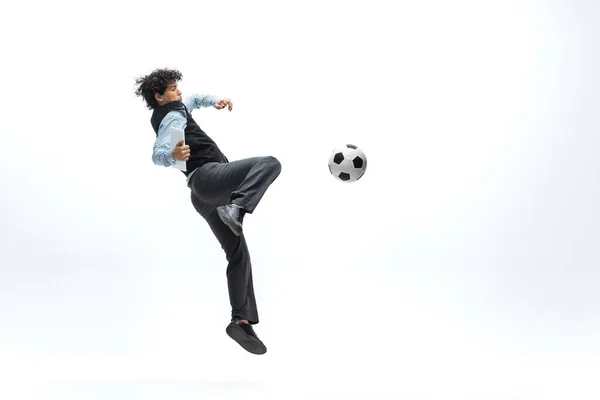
[200,100]
[207,100]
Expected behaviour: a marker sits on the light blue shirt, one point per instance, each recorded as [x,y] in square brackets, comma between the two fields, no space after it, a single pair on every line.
[161,155]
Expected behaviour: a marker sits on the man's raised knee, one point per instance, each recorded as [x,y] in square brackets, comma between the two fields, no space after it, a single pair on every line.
[274,164]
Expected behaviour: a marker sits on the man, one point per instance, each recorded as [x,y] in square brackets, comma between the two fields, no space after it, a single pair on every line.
[222,192]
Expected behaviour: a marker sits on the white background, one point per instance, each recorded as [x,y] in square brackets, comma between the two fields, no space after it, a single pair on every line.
[463,265]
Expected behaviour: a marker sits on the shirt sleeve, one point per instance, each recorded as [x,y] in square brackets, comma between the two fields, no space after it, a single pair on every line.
[161,155]
[200,100]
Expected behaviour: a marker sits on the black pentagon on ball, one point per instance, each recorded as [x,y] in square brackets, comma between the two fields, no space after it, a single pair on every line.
[358,162]
[331,172]
[351,146]
[344,176]
[338,158]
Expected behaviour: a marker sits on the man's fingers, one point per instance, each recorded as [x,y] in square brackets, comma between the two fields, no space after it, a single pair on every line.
[224,103]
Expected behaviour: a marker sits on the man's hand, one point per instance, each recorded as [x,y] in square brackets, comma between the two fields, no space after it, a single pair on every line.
[181,152]
[224,103]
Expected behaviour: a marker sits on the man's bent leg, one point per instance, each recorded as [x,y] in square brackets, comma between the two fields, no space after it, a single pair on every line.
[242,182]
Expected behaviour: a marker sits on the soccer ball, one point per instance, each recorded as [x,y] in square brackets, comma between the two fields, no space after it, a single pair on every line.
[347,163]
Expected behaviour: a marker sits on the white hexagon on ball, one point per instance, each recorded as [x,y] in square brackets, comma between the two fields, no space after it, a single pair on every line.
[347,163]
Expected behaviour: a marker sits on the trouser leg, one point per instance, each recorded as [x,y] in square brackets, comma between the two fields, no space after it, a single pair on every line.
[239,268]
[243,182]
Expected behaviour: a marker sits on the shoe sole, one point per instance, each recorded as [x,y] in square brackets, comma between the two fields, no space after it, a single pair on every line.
[223,215]
[240,336]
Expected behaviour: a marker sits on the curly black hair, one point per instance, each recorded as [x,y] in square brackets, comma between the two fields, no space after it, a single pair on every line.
[155,82]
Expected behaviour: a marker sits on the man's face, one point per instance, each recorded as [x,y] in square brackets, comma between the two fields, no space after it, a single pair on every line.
[172,93]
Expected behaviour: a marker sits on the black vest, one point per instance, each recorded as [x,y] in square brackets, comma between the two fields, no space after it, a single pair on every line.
[202,148]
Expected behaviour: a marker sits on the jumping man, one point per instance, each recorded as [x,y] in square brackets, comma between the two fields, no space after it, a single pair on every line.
[222,192]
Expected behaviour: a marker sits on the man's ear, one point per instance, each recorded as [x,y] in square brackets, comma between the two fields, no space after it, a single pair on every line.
[158,97]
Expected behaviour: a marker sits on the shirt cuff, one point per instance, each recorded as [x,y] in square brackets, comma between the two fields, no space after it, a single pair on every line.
[170,158]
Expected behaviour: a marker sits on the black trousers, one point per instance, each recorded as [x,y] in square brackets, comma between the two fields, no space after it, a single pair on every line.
[243,182]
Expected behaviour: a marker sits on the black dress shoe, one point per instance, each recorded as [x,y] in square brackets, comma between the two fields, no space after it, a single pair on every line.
[243,333]
[232,216]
